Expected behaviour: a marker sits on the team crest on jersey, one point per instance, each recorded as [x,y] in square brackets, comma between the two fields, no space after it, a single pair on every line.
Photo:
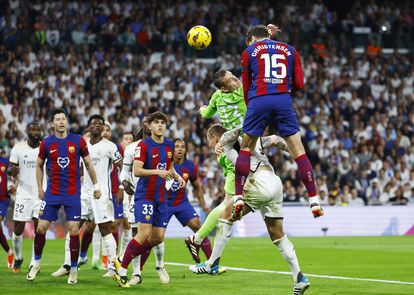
[185,176]
[71,149]
[169,155]
[147,217]
[3,168]
[63,162]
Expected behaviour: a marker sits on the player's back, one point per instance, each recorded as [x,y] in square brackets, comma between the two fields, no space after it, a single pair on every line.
[188,171]
[271,66]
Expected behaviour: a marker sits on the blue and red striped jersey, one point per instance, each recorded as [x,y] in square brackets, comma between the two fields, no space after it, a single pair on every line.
[4,165]
[154,156]
[270,67]
[63,163]
[188,171]
[115,173]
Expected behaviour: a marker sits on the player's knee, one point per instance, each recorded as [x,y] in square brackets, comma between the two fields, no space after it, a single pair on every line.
[41,229]
[156,240]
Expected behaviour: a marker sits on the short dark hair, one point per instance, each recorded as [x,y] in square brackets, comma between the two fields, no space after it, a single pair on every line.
[157,116]
[216,129]
[96,116]
[34,123]
[259,31]
[218,78]
[57,112]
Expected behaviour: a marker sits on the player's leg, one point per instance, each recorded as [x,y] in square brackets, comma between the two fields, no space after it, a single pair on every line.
[96,248]
[126,235]
[136,261]
[17,240]
[195,225]
[109,243]
[35,224]
[86,241]
[4,205]
[157,239]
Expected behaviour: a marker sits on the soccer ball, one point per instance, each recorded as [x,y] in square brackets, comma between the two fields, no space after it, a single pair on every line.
[199,37]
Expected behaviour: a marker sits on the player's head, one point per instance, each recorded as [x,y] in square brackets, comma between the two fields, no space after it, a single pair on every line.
[226,81]
[256,33]
[180,149]
[106,132]
[214,134]
[96,124]
[127,138]
[157,123]
[59,120]
[143,131]
[33,132]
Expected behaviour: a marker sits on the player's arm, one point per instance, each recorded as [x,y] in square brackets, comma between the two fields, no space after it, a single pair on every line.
[246,75]
[124,176]
[39,176]
[298,80]
[92,174]
[176,176]
[198,190]
[210,110]
[274,140]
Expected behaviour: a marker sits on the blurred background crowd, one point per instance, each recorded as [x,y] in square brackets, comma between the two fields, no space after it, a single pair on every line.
[125,59]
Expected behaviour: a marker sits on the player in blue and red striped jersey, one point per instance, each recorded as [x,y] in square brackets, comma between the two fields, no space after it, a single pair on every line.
[62,153]
[270,71]
[153,165]
[4,204]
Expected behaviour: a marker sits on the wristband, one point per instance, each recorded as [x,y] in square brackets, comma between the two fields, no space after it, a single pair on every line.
[121,186]
[96,187]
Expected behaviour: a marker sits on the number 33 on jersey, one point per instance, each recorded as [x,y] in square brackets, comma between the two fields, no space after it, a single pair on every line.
[270,67]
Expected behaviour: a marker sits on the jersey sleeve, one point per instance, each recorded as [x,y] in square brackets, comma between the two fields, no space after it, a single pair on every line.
[195,173]
[42,150]
[129,155]
[246,75]
[13,156]
[297,71]
[141,152]
[84,152]
[212,107]
[115,154]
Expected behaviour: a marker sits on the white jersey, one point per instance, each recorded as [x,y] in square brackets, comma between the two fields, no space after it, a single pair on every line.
[129,156]
[24,156]
[103,154]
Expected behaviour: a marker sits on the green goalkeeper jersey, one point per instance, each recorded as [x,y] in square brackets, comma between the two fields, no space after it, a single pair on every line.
[228,172]
[230,107]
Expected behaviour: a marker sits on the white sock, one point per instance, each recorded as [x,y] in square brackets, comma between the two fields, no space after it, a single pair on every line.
[122,271]
[67,250]
[222,237]
[198,239]
[109,244]
[314,199]
[136,265]
[96,245]
[17,246]
[126,238]
[159,254]
[287,250]
[32,261]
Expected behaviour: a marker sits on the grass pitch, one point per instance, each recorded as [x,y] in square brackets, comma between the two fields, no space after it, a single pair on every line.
[381,258]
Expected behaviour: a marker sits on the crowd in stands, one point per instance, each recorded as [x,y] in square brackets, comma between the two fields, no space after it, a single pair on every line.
[125,59]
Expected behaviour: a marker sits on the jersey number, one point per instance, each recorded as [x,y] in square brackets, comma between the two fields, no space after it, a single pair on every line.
[271,65]
[147,209]
[19,208]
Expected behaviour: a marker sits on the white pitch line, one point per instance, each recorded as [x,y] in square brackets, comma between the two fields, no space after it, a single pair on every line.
[308,275]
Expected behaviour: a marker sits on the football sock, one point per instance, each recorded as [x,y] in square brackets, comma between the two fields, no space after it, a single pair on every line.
[110,246]
[74,250]
[159,254]
[222,237]
[3,240]
[242,170]
[86,241]
[287,250]
[136,265]
[126,238]
[39,244]
[17,245]
[96,245]
[67,250]
[206,247]
[306,175]
[116,237]
[144,258]
[209,224]
[133,250]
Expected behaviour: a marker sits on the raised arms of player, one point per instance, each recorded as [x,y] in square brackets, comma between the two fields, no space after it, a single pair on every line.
[91,171]
[246,75]
[209,111]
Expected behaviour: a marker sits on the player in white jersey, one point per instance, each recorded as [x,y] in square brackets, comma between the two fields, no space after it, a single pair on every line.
[103,154]
[263,192]
[22,165]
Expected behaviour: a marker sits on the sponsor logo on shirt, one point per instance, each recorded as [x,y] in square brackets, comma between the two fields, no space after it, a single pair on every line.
[63,162]
[161,166]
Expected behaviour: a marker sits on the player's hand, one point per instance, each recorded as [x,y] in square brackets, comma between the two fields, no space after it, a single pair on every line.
[41,194]
[317,210]
[97,194]
[206,209]
[273,30]
[182,182]
[218,149]
[279,142]
[128,187]
[202,109]
[120,196]
[165,174]
[12,189]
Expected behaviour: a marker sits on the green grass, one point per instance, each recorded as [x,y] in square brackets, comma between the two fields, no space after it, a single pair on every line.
[386,258]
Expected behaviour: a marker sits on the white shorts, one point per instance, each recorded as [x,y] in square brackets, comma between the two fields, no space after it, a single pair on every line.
[263,192]
[25,209]
[125,206]
[99,211]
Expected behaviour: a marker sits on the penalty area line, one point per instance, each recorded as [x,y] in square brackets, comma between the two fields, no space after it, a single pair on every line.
[308,275]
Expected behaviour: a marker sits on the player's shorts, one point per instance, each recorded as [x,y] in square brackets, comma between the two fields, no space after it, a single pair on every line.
[184,212]
[131,207]
[25,209]
[229,184]
[118,209]
[264,192]
[276,108]
[99,210]
[4,204]
[49,208]
[151,212]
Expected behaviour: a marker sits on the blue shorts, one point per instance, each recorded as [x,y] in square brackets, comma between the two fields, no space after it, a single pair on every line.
[4,205]
[50,206]
[118,209]
[277,108]
[184,212]
[152,212]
